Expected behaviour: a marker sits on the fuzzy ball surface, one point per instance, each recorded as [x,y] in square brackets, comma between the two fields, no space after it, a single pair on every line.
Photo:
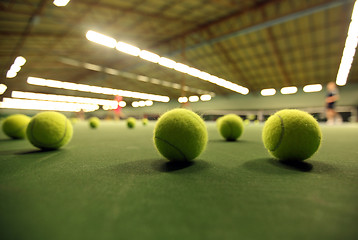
[145,121]
[49,130]
[231,127]
[291,134]
[180,135]
[131,122]
[94,122]
[15,126]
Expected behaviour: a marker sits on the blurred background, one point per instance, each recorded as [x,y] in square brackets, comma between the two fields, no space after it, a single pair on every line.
[112,59]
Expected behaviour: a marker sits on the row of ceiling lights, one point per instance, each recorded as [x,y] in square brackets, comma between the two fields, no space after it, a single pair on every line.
[291,90]
[163,61]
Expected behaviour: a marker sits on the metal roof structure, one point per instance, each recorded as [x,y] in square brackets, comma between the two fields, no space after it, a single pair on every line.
[254,43]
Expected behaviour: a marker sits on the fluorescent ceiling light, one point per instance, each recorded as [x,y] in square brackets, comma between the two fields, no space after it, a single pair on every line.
[166,62]
[194,72]
[141,103]
[288,90]
[46,105]
[183,99]
[92,67]
[312,88]
[111,71]
[11,74]
[95,89]
[149,56]
[101,39]
[20,61]
[193,98]
[205,97]
[15,68]
[3,88]
[349,49]
[135,104]
[155,81]
[60,3]
[127,48]
[63,98]
[181,67]
[176,85]
[268,92]
[148,103]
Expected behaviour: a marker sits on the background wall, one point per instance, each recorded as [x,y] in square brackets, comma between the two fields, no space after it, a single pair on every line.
[254,102]
[251,103]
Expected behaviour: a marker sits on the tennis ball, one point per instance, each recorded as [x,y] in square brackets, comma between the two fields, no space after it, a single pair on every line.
[231,127]
[131,121]
[218,122]
[180,135]
[251,117]
[15,125]
[246,122]
[145,121]
[49,130]
[291,135]
[94,122]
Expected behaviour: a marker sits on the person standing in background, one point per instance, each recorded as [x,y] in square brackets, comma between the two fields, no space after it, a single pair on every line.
[331,100]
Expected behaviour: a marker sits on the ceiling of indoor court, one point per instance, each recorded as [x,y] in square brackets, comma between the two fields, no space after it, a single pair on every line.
[254,43]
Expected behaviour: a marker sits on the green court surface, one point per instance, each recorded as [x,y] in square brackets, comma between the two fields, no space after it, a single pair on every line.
[110,183]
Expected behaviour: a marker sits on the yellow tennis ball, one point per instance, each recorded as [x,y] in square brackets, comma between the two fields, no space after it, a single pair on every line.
[231,127]
[145,121]
[180,135]
[94,122]
[131,121]
[291,135]
[15,126]
[49,130]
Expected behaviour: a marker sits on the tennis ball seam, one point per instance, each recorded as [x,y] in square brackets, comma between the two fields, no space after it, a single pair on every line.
[281,134]
[44,144]
[181,153]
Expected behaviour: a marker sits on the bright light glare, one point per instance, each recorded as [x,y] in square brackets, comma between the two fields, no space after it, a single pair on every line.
[148,103]
[127,48]
[122,104]
[101,39]
[20,61]
[149,56]
[47,105]
[288,90]
[152,57]
[135,104]
[181,67]
[312,88]
[11,74]
[205,97]
[60,3]
[183,99]
[166,62]
[92,67]
[3,88]
[95,89]
[15,68]
[268,92]
[194,72]
[349,49]
[193,98]
[63,98]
